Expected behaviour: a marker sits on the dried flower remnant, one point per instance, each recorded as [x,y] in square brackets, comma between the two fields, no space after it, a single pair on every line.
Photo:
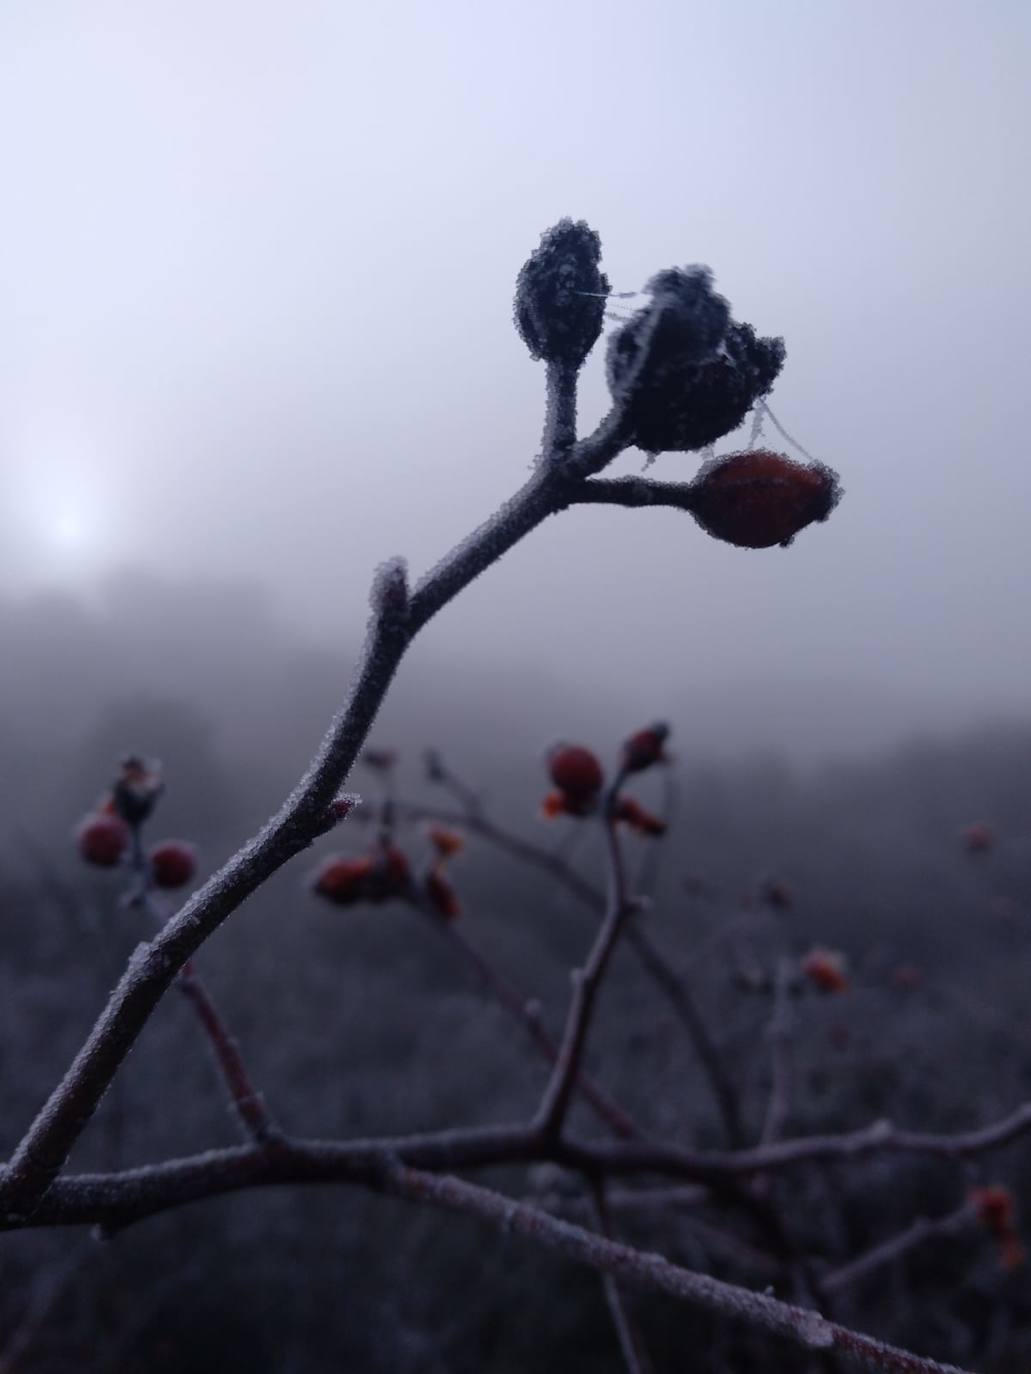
[682,371]
[645,748]
[561,293]
[758,498]
[136,789]
[633,814]
[172,863]
[825,969]
[445,841]
[102,840]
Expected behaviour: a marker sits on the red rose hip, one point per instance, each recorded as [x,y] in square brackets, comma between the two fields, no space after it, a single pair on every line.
[102,840]
[575,771]
[172,863]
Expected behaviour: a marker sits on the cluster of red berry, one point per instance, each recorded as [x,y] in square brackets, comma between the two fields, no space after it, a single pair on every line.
[105,838]
[385,875]
[580,780]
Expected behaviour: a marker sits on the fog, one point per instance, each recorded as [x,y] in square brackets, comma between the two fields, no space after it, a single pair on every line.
[257,266]
[256,273]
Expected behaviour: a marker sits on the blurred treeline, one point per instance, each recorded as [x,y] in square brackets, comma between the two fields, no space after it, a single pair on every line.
[362,1022]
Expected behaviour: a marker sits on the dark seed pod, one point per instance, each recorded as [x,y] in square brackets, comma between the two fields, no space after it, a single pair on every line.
[560,294]
[684,372]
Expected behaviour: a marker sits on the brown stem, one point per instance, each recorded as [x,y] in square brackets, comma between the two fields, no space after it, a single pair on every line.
[248,1102]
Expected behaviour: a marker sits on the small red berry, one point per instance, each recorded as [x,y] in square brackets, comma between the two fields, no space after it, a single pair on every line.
[978,838]
[343,881]
[758,498]
[645,748]
[172,863]
[395,867]
[102,839]
[575,771]
[995,1208]
[389,875]
[825,969]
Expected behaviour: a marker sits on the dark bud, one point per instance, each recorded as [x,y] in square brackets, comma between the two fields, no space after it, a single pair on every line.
[136,789]
[434,766]
[683,371]
[561,293]
[757,498]
[645,748]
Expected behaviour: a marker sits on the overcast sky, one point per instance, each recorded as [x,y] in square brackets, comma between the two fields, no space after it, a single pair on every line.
[256,277]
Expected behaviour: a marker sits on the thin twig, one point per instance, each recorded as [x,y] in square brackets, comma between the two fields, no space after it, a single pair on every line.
[631,1343]
[887,1252]
[250,1106]
[525,1011]
[655,963]
[778,1034]
[681,998]
[587,983]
